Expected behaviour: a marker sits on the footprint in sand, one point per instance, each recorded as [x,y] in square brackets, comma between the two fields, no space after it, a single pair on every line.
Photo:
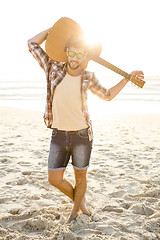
[22,181]
[141,209]
[33,220]
[112,209]
[117,194]
[33,224]
[27,172]
[5,160]
[24,163]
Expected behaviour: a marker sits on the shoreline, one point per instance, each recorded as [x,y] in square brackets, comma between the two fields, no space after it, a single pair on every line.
[117,105]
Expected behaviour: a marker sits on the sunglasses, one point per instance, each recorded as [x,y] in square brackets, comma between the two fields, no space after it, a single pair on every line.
[78,55]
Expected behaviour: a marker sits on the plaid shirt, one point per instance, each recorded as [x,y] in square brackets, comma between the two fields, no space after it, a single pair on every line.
[55,73]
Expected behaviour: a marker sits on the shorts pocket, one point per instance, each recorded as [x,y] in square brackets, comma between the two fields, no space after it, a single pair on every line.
[83,133]
[54,132]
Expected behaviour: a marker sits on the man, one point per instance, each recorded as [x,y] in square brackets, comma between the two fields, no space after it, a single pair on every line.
[67,114]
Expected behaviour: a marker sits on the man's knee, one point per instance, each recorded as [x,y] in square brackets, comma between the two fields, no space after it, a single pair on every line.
[55,178]
[80,176]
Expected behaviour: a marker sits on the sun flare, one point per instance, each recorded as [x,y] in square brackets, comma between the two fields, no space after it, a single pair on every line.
[91,39]
[90,36]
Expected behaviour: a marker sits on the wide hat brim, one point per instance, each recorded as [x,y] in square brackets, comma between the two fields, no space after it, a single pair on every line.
[59,35]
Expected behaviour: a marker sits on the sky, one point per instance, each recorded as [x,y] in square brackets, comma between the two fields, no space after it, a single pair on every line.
[127,29]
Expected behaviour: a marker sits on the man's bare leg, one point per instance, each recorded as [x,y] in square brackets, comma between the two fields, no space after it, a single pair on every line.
[56,179]
[79,193]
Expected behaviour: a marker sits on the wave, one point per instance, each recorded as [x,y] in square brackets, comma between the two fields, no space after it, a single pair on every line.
[19,92]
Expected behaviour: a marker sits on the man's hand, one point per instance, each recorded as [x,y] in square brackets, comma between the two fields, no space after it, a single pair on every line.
[138,74]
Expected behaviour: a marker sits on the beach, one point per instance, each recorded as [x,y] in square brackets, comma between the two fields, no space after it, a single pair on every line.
[123,179]
[123,191]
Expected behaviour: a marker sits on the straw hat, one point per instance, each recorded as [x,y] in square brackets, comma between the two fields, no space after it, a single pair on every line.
[60,34]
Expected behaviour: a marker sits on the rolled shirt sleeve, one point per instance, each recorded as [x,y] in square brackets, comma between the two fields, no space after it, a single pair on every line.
[40,55]
[97,89]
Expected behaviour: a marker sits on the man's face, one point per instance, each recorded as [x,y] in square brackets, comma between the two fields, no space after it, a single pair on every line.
[75,57]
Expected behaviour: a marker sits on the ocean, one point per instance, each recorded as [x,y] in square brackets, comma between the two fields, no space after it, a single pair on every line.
[31,94]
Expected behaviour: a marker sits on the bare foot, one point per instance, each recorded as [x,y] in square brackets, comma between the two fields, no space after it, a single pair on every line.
[71,218]
[84,208]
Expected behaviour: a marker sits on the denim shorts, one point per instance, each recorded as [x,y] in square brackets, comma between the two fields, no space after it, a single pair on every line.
[66,144]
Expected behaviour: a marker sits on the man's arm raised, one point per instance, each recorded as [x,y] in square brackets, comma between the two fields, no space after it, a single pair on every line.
[40,37]
[117,88]
[37,51]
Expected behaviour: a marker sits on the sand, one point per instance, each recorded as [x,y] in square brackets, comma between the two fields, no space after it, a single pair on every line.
[123,180]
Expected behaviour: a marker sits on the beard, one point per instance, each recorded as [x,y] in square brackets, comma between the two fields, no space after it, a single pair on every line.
[73,65]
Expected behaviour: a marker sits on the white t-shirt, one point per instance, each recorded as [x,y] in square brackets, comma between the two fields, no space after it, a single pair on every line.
[67,105]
